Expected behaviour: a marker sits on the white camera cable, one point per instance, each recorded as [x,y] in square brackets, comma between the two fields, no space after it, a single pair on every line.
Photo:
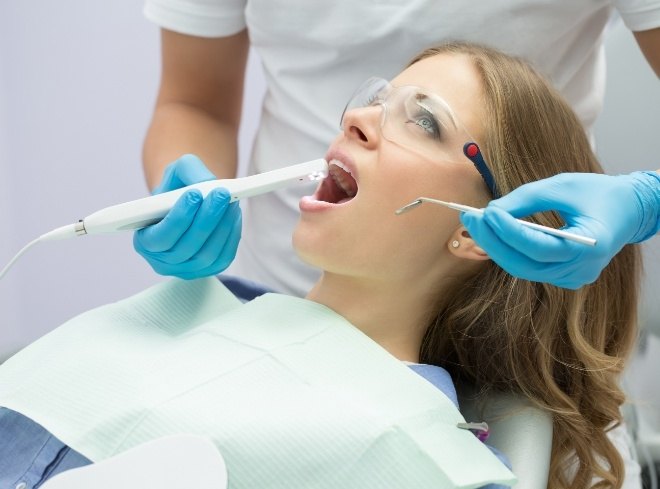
[143,212]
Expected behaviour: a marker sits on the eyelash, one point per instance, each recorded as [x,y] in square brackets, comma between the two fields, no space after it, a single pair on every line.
[372,98]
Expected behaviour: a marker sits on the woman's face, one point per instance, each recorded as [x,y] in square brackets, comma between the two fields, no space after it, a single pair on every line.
[361,236]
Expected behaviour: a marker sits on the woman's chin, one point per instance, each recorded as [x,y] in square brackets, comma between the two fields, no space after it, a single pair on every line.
[304,246]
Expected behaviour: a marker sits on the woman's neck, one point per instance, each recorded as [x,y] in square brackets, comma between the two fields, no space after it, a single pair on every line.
[394,316]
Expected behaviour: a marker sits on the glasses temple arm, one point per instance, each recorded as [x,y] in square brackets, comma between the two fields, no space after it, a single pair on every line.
[472,151]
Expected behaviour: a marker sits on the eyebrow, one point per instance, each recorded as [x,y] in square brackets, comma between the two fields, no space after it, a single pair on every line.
[422,97]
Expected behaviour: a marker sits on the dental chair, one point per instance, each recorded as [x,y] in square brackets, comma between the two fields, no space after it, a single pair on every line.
[517,429]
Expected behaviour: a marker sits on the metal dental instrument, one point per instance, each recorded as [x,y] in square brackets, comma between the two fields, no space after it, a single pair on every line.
[466,208]
[143,212]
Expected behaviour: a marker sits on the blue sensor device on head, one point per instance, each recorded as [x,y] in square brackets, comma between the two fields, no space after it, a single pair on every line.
[472,151]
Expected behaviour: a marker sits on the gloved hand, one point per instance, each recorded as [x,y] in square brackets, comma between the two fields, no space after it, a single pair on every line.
[615,210]
[199,236]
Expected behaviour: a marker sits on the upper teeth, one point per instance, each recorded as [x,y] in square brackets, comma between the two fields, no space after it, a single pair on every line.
[340,165]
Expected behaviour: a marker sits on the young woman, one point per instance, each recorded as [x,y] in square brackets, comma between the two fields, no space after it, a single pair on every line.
[415,284]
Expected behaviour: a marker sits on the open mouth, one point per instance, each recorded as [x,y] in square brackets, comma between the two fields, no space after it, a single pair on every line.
[339,186]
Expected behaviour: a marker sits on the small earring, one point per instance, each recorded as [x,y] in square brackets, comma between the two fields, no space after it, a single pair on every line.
[455,244]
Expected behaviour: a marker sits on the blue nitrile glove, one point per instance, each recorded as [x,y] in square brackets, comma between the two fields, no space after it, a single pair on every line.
[198,237]
[615,210]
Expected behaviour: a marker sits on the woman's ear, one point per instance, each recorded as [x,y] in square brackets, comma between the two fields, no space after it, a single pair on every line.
[461,245]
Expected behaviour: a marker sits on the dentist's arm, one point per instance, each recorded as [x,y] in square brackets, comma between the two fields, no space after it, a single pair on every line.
[649,43]
[198,108]
[615,210]
[198,112]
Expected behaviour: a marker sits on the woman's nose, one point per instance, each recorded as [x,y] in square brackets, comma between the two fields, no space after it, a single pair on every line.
[363,124]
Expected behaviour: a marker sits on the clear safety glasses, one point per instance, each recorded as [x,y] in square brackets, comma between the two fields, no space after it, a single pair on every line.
[419,121]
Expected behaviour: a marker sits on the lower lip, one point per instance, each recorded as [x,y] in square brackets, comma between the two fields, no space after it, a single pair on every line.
[310,204]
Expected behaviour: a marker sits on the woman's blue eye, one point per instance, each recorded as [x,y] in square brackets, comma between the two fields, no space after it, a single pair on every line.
[428,123]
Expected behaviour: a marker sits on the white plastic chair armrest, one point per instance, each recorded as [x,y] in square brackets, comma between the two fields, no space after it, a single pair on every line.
[519,430]
[173,462]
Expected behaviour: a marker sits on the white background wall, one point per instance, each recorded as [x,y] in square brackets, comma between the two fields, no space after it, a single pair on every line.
[78,82]
[77,86]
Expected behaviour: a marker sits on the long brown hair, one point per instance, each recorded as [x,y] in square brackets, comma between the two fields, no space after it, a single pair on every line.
[563,349]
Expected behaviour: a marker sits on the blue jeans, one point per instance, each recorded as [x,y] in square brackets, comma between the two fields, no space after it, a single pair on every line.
[30,455]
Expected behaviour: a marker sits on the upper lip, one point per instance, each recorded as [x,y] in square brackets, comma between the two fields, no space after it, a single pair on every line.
[337,154]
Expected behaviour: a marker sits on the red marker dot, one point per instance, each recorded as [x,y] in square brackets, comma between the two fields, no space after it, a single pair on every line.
[472,150]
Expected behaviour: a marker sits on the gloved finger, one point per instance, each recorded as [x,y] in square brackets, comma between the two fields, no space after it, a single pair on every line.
[212,253]
[571,274]
[208,218]
[224,248]
[542,195]
[572,279]
[162,236]
[187,170]
[508,258]
[231,243]
[165,182]
[536,245]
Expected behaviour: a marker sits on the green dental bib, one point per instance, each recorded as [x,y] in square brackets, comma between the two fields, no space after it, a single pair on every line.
[292,394]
